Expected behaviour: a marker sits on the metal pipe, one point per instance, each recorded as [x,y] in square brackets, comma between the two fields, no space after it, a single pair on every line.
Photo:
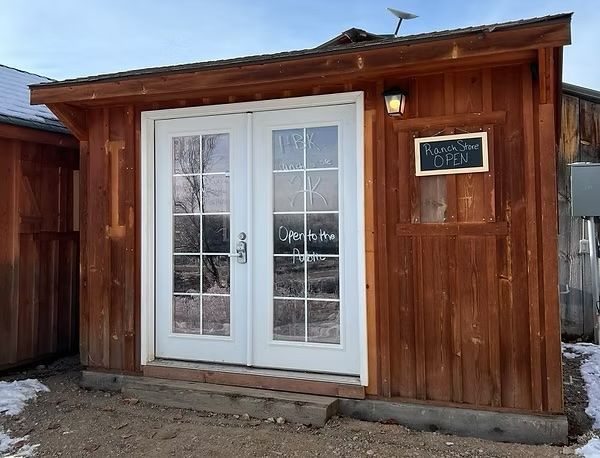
[593,250]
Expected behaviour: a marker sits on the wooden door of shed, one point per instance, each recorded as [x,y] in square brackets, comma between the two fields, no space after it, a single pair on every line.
[39,250]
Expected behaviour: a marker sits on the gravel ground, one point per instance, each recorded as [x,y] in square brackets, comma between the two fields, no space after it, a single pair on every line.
[70,421]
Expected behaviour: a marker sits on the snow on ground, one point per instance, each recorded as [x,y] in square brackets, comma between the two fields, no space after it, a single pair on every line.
[590,370]
[13,396]
[591,449]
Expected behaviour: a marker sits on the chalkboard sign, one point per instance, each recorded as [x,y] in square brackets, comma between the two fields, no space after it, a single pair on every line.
[448,154]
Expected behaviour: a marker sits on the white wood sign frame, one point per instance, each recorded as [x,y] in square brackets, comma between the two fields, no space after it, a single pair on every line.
[484,145]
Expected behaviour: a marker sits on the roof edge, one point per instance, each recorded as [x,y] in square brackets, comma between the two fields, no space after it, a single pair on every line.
[581,92]
[57,128]
[291,55]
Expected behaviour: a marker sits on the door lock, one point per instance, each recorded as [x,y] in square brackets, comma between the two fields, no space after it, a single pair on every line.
[241,252]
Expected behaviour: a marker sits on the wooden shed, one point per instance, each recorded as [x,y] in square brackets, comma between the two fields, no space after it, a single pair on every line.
[39,248]
[264,222]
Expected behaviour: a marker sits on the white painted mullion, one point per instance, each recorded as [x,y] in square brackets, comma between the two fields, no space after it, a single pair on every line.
[305,245]
[201,231]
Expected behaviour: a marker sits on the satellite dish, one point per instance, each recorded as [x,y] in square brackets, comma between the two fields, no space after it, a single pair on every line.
[401,15]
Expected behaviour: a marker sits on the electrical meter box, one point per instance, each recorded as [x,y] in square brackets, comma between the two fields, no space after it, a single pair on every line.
[585,189]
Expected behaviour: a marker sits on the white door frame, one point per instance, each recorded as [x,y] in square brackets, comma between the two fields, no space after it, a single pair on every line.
[147,241]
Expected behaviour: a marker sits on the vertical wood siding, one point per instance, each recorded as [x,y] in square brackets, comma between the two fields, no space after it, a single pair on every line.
[39,252]
[579,142]
[462,308]
[109,266]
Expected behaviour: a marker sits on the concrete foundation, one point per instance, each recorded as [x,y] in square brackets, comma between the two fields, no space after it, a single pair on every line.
[496,426]
[295,408]
[316,410]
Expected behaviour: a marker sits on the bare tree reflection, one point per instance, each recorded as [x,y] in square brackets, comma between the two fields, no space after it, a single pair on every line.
[192,156]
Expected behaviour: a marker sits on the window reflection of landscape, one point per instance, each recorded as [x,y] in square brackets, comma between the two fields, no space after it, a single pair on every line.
[201,266]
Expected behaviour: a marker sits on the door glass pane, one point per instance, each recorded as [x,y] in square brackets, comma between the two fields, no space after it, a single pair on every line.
[306,264]
[288,320]
[215,193]
[186,194]
[289,192]
[215,315]
[322,236]
[288,278]
[186,234]
[324,278]
[201,265]
[321,190]
[324,322]
[186,314]
[321,147]
[215,233]
[288,233]
[215,153]
[186,275]
[186,154]
[215,274]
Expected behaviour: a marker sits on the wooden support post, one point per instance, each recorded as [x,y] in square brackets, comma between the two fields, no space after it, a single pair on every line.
[9,249]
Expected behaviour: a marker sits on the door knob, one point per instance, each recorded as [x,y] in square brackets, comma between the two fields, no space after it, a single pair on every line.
[240,252]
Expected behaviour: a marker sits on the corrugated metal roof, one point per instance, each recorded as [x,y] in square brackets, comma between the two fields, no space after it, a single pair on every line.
[288,55]
[14,102]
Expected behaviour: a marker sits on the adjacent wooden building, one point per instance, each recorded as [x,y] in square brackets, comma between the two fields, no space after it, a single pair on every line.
[579,142]
[39,248]
[438,289]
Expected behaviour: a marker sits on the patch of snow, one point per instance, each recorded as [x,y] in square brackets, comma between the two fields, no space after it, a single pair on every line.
[590,370]
[13,396]
[591,449]
[13,447]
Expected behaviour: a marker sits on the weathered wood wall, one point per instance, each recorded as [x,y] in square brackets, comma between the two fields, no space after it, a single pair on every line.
[579,142]
[462,269]
[39,249]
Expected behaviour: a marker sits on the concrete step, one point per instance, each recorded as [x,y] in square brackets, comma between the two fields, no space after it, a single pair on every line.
[262,404]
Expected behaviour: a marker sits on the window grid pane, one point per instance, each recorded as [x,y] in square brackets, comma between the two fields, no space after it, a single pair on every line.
[201,267]
[305,234]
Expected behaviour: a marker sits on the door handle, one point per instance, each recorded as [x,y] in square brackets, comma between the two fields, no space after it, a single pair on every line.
[241,252]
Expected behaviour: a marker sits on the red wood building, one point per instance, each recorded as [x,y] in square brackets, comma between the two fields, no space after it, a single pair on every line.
[438,289]
[39,249]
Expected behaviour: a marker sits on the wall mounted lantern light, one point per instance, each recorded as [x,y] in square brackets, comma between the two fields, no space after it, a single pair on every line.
[395,100]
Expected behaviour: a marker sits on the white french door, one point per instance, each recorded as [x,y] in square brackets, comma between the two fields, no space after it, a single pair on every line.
[258,250]
[201,175]
[306,230]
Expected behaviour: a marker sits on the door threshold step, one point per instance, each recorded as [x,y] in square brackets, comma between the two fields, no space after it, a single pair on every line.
[250,377]
[249,370]
[306,409]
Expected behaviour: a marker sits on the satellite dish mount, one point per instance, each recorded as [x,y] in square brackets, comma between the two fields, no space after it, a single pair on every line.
[401,15]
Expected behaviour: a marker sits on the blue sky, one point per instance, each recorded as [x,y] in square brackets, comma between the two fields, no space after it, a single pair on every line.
[69,38]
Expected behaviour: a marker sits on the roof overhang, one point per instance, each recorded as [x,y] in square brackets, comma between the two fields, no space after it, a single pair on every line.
[397,56]
[584,93]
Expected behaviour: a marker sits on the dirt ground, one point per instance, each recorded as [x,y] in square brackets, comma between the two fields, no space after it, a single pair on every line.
[70,421]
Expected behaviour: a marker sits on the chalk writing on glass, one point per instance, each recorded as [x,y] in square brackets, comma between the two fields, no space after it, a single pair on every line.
[308,257]
[298,141]
[288,235]
[311,192]
[322,162]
